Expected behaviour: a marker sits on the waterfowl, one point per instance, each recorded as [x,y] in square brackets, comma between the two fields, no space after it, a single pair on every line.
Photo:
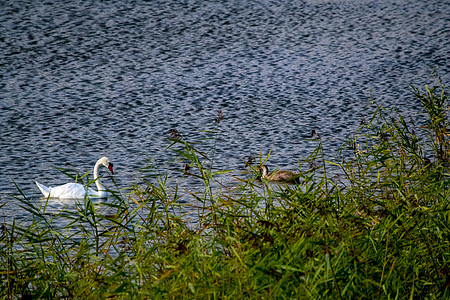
[76,190]
[279,175]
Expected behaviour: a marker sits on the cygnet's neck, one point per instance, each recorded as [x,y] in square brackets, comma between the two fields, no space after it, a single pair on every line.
[265,171]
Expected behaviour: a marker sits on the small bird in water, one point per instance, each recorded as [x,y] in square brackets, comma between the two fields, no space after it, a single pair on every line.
[279,175]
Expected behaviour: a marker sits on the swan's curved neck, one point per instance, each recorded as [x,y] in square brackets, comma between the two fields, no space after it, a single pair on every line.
[100,186]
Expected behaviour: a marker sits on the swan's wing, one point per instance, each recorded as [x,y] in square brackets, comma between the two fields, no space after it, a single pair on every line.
[68,191]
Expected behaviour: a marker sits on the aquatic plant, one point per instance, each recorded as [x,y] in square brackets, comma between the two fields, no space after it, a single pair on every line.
[378,229]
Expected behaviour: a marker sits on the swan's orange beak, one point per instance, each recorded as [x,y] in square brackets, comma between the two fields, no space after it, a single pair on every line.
[110,167]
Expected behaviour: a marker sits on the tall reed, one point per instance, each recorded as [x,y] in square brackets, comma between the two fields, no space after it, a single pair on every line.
[378,231]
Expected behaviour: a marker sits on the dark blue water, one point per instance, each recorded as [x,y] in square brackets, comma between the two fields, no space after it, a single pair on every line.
[83,79]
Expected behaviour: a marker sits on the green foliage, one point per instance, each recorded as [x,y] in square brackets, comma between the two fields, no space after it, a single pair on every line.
[378,230]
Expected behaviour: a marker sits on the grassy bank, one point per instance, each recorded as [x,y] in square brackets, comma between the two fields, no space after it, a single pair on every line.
[378,230]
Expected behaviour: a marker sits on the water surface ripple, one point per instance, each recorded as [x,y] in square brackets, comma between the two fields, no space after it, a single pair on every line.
[83,79]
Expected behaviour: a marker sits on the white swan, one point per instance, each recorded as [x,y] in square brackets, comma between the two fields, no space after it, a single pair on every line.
[76,190]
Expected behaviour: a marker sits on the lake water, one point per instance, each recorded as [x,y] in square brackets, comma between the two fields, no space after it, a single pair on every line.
[84,79]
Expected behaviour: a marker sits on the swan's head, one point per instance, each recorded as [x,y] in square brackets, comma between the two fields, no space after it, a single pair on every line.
[105,161]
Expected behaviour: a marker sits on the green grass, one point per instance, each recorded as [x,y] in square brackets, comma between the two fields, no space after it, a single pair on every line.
[379,231]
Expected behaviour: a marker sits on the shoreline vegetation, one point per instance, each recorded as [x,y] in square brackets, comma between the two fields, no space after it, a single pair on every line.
[378,230]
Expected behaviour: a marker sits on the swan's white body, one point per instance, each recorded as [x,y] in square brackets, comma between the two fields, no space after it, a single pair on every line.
[76,190]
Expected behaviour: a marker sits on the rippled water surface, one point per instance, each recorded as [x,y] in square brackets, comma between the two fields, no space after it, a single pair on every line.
[83,79]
